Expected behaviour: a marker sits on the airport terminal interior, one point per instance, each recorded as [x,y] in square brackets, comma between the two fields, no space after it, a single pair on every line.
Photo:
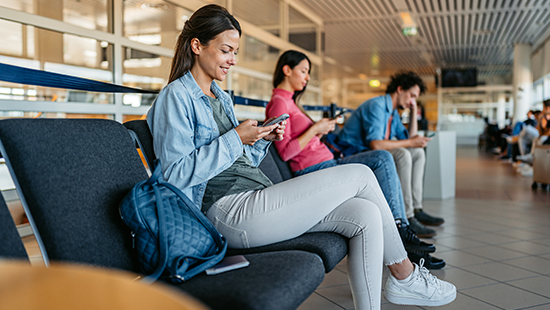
[486,65]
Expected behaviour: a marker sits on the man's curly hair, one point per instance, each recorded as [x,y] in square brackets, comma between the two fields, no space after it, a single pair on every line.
[406,80]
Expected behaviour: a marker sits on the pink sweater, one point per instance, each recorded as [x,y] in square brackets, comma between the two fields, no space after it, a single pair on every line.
[289,148]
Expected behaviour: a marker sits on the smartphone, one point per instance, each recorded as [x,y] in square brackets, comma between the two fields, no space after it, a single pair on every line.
[277,120]
[431,135]
[338,114]
[228,263]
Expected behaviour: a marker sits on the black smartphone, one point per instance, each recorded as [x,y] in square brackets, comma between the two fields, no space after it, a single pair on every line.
[338,114]
[277,120]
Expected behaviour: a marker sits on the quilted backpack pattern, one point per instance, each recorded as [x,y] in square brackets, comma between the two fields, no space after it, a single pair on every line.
[172,237]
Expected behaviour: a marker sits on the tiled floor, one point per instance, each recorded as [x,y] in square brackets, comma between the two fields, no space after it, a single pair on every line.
[496,242]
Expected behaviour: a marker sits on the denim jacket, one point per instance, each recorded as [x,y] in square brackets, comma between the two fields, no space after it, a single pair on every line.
[186,137]
[369,122]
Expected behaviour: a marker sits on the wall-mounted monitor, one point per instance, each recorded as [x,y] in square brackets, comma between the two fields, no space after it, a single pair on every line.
[459,77]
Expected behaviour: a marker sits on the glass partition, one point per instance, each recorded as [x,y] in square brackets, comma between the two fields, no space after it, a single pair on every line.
[256,55]
[145,71]
[251,87]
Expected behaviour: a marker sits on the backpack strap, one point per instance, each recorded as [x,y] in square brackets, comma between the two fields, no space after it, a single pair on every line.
[163,246]
[219,240]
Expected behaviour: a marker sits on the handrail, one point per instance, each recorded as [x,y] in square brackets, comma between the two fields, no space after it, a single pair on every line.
[21,75]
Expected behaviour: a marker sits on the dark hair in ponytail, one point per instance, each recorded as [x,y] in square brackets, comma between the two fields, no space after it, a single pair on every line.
[205,24]
[292,59]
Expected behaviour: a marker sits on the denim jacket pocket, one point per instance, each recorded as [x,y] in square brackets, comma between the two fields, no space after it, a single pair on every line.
[203,134]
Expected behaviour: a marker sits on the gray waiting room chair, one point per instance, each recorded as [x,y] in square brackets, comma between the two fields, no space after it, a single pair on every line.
[71,175]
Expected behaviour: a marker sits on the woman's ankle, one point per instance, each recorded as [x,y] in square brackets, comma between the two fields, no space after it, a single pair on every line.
[402,270]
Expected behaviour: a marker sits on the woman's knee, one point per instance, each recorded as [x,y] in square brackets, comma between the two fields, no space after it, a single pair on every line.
[352,218]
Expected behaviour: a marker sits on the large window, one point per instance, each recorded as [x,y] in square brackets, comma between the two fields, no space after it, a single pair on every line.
[36,48]
[89,14]
[133,47]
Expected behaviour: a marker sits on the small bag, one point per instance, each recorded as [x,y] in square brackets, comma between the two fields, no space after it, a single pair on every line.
[338,148]
[171,235]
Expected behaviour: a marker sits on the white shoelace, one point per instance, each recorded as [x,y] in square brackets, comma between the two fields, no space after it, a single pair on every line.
[425,274]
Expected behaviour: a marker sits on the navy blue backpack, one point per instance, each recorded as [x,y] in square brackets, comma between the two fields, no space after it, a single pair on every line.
[172,237]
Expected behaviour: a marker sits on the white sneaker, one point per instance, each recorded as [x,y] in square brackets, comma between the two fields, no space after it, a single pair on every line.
[527,171]
[420,289]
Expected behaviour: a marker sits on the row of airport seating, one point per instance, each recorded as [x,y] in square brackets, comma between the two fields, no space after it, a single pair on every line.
[71,175]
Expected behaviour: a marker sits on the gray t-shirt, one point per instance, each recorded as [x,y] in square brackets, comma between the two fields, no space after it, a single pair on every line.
[240,177]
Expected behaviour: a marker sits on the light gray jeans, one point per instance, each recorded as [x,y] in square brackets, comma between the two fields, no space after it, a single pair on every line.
[410,168]
[526,139]
[345,199]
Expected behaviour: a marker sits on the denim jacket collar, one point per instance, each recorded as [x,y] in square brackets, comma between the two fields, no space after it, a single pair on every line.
[196,92]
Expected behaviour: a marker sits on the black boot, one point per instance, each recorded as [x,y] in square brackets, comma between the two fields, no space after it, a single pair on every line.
[411,242]
[420,230]
[427,219]
[430,262]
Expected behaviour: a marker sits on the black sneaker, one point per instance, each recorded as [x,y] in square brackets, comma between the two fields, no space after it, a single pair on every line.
[420,230]
[430,262]
[427,219]
[411,242]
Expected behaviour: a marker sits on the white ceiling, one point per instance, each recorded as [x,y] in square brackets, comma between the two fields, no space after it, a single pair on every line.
[366,35]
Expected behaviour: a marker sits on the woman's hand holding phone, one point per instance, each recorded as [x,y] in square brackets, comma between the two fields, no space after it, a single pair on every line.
[278,132]
[249,132]
[325,126]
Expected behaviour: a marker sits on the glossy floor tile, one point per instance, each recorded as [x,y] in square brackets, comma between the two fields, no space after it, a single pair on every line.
[495,240]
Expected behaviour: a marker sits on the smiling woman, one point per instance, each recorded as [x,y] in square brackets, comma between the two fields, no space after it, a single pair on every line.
[214,160]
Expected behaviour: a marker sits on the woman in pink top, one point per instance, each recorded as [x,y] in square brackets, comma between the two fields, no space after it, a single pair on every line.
[302,148]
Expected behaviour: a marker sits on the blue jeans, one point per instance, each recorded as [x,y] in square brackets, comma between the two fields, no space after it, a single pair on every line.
[382,164]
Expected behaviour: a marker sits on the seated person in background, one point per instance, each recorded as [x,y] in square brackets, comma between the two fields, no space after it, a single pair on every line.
[305,152]
[540,137]
[214,160]
[376,125]
[528,134]
[522,137]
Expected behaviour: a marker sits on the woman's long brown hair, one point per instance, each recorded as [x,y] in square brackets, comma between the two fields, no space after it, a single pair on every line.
[205,24]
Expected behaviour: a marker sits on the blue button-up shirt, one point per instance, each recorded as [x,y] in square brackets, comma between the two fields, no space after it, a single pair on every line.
[368,123]
[186,137]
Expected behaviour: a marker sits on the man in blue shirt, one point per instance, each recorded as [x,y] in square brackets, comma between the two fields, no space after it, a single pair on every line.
[376,125]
